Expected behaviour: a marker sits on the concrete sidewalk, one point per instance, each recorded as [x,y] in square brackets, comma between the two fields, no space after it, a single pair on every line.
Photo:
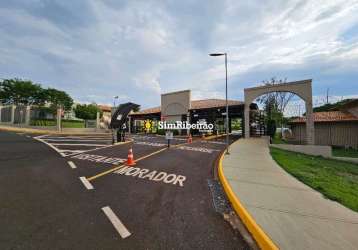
[292,214]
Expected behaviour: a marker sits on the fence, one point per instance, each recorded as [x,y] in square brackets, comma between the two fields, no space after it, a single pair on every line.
[41,118]
[341,134]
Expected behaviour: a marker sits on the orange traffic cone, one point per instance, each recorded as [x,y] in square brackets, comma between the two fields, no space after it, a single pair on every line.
[130,160]
[190,139]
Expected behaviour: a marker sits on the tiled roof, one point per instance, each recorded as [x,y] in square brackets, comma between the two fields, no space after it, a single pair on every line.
[213,103]
[197,104]
[147,111]
[330,116]
[105,108]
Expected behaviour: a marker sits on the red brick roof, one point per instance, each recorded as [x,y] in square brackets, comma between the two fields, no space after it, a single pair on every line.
[330,116]
[197,104]
[213,103]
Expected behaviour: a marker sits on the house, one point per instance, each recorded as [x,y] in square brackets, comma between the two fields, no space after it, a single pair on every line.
[334,127]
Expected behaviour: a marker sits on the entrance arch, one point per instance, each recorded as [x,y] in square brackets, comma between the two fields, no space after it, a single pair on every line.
[301,88]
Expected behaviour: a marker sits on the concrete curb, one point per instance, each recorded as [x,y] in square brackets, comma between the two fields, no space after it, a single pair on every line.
[262,239]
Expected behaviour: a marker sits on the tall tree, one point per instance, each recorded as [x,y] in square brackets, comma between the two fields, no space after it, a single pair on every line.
[17,91]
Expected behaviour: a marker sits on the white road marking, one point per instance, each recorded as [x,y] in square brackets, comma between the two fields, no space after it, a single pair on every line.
[99,158]
[64,152]
[72,165]
[39,138]
[77,140]
[198,149]
[118,225]
[86,183]
[153,175]
[154,144]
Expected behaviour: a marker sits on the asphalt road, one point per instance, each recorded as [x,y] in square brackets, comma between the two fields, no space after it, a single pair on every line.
[163,202]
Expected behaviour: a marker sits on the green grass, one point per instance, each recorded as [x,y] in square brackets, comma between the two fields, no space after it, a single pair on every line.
[336,180]
[341,152]
[278,140]
[73,124]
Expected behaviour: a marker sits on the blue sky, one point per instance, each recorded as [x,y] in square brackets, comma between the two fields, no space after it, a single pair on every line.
[139,49]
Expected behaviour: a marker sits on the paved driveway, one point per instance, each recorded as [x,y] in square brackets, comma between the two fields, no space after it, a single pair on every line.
[163,202]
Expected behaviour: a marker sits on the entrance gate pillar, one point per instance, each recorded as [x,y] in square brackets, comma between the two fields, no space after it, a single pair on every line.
[247,120]
[301,88]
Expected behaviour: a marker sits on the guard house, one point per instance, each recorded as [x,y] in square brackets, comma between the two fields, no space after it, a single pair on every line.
[178,106]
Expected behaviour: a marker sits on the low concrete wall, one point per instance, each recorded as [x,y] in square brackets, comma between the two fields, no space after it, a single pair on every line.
[325,151]
[347,159]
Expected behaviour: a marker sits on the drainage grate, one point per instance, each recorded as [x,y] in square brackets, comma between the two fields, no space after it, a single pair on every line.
[220,202]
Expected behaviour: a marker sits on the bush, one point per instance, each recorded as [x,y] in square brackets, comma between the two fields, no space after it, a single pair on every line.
[72,124]
[43,122]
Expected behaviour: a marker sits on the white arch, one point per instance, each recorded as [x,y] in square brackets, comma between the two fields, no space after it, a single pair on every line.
[301,88]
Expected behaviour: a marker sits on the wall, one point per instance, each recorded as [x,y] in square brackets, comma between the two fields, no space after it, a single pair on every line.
[325,151]
[330,133]
[175,103]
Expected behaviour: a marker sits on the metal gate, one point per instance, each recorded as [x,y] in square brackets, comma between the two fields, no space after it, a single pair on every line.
[257,123]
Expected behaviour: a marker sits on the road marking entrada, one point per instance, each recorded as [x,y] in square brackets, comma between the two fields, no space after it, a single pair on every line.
[99,158]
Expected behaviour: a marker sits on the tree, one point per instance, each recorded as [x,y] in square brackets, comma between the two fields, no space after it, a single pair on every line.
[86,111]
[57,98]
[275,103]
[17,91]
[332,106]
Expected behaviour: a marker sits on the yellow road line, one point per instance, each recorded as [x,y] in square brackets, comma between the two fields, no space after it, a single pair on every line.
[262,239]
[214,136]
[139,159]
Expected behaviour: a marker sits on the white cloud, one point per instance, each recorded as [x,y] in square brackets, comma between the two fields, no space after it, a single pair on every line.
[139,49]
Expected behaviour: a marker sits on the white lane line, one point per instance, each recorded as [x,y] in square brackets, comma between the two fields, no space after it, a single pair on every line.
[77,144]
[86,183]
[78,138]
[72,165]
[118,225]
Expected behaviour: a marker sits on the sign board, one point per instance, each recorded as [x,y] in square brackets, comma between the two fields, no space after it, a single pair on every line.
[169,135]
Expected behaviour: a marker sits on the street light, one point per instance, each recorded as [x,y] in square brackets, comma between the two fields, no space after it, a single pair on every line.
[227,107]
[114,100]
